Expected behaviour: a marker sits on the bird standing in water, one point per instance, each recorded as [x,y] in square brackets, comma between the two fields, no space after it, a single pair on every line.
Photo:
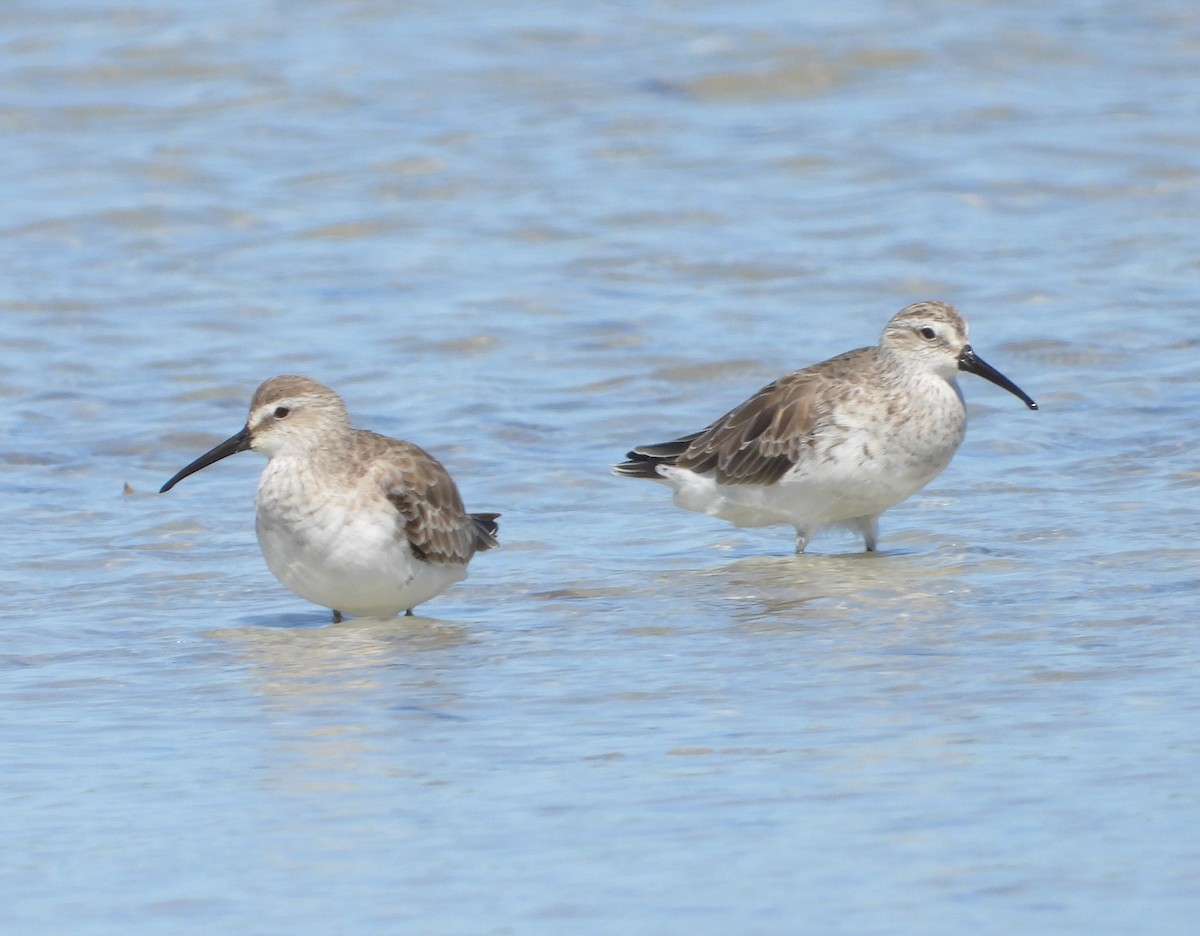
[837,443]
[358,522]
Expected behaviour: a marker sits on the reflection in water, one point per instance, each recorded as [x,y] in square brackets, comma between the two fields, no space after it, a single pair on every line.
[782,591]
[334,693]
[299,666]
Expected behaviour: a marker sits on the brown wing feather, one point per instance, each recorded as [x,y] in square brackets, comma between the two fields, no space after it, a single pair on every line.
[760,440]
[436,524]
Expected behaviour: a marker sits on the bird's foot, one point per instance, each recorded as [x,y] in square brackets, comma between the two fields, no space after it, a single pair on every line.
[408,613]
[337,617]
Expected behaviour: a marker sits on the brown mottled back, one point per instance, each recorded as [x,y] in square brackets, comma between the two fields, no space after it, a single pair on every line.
[758,441]
[436,524]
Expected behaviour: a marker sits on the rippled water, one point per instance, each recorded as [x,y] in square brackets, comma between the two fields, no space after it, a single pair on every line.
[527,236]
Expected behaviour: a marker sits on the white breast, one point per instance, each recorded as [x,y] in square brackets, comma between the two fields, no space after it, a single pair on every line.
[341,545]
[863,461]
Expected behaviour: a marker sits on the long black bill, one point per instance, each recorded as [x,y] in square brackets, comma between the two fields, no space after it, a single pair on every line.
[973,364]
[231,446]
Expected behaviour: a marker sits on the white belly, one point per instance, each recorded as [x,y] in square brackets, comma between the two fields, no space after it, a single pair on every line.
[346,553]
[857,469]
[804,499]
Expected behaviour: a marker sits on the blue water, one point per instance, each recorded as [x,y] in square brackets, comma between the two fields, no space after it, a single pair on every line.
[526,237]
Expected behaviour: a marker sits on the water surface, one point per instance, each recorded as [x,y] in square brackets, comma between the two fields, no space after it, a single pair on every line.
[527,237]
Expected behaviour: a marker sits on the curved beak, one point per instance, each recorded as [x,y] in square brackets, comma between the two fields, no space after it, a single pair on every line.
[970,362]
[231,446]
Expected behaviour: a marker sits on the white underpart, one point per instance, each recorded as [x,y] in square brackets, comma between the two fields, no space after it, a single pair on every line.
[858,468]
[341,547]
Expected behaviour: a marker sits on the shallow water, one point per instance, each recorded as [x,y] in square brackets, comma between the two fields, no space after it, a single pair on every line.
[527,238]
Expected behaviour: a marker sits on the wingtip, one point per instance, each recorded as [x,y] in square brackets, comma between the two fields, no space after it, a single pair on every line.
[488,529]
[637,467]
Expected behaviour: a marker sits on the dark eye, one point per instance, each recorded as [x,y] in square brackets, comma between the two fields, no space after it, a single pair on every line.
[927,333]
[281,412]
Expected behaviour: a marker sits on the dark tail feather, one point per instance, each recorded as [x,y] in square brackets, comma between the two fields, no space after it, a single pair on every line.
[645,459]
[638,466]
[488,528]
[667,451]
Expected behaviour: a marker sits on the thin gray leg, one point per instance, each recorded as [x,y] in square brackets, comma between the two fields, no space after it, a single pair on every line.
[869,528]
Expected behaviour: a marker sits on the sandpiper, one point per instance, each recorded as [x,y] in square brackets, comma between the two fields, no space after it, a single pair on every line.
[355,521]
[837,443]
